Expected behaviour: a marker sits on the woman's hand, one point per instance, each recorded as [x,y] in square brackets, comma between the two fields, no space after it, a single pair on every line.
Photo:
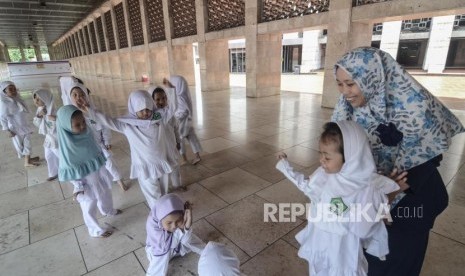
[282,155]
[400,179]
[83,106]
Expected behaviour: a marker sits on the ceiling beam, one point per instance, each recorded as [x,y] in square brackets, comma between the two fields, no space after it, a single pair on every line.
[48,3]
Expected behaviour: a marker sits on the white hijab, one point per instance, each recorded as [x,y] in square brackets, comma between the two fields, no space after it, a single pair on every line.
[139,100]
[66,85]
[356,181]
[5,100]
[216,259]
[182,94]
[46,97]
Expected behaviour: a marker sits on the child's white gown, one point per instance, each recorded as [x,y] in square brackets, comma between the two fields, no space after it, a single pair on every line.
[346,209]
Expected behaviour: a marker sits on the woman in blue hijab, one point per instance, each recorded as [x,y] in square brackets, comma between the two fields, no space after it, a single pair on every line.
[408,129]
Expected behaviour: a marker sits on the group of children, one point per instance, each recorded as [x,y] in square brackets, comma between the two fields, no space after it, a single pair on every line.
[77,149]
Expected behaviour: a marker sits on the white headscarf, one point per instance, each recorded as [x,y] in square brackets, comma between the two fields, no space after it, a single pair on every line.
[66,85]
[182,94]
[46,97]
[6,99]
[357,176]
[218,260]
[140,100]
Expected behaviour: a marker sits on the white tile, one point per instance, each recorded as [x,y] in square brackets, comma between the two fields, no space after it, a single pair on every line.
[124,266]
[58,255]
[14,232]
[129,234]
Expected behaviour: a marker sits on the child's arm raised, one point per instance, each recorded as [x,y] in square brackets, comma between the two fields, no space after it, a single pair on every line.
[295,177]
[105,120]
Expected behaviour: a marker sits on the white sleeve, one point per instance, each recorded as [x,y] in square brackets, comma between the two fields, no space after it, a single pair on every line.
[172,103]
[107,121]
[295,177]
[4,117]
[106,136]
[192,242]
[37,121]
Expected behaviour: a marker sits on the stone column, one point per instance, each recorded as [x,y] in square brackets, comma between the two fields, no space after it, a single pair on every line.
[23,56]
[263,56]
[438,44]
[38,53]
[127,65]
[343,35]
[115,62]
[311,52]
[213,54]
[3,53]
[390,37]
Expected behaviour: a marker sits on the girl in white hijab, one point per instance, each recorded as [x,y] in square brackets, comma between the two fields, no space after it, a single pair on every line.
[348,202]
[45,120]
[184,114]
[13,112]
[150,162]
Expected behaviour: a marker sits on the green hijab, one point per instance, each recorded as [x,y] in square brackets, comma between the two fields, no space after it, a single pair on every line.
[79,154]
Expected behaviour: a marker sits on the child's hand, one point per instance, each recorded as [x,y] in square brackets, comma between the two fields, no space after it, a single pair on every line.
[52,117]
[75,195]
[108,147]
[83,106]
[400,179]
[166,82]
[178,146]
[43,112]
[12,134]
[187,215]
[282,155]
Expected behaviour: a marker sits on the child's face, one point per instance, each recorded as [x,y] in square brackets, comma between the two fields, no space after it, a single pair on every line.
[11,91]
[78,124]
[330,158]
[38,102]
[172,221]
[144,114]
[78,97]
[160,100]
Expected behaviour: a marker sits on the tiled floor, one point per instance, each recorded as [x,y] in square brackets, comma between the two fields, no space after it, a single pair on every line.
[42,231]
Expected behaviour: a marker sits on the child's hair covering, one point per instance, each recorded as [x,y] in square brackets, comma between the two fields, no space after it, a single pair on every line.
[5,99]
[79,154]
[138,100]
[159,240]
[83,88]
[5,84]
[216,259]
[182,94]
[47,97]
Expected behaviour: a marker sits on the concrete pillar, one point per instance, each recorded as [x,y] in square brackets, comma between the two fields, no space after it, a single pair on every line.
[2,53]
[343,35]
[127,65]
[311,52]
[38,53]
[263,56]
[23,56]
[438,44]
[146,60]
[115,63]
[213,54]
[390,37]
[7,54]
[214,65]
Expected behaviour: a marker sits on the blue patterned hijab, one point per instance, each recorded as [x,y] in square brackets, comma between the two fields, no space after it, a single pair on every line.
[79,154]
[393,97]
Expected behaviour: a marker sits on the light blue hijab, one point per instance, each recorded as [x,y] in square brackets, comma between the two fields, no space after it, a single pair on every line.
[393,96]
[79,154]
